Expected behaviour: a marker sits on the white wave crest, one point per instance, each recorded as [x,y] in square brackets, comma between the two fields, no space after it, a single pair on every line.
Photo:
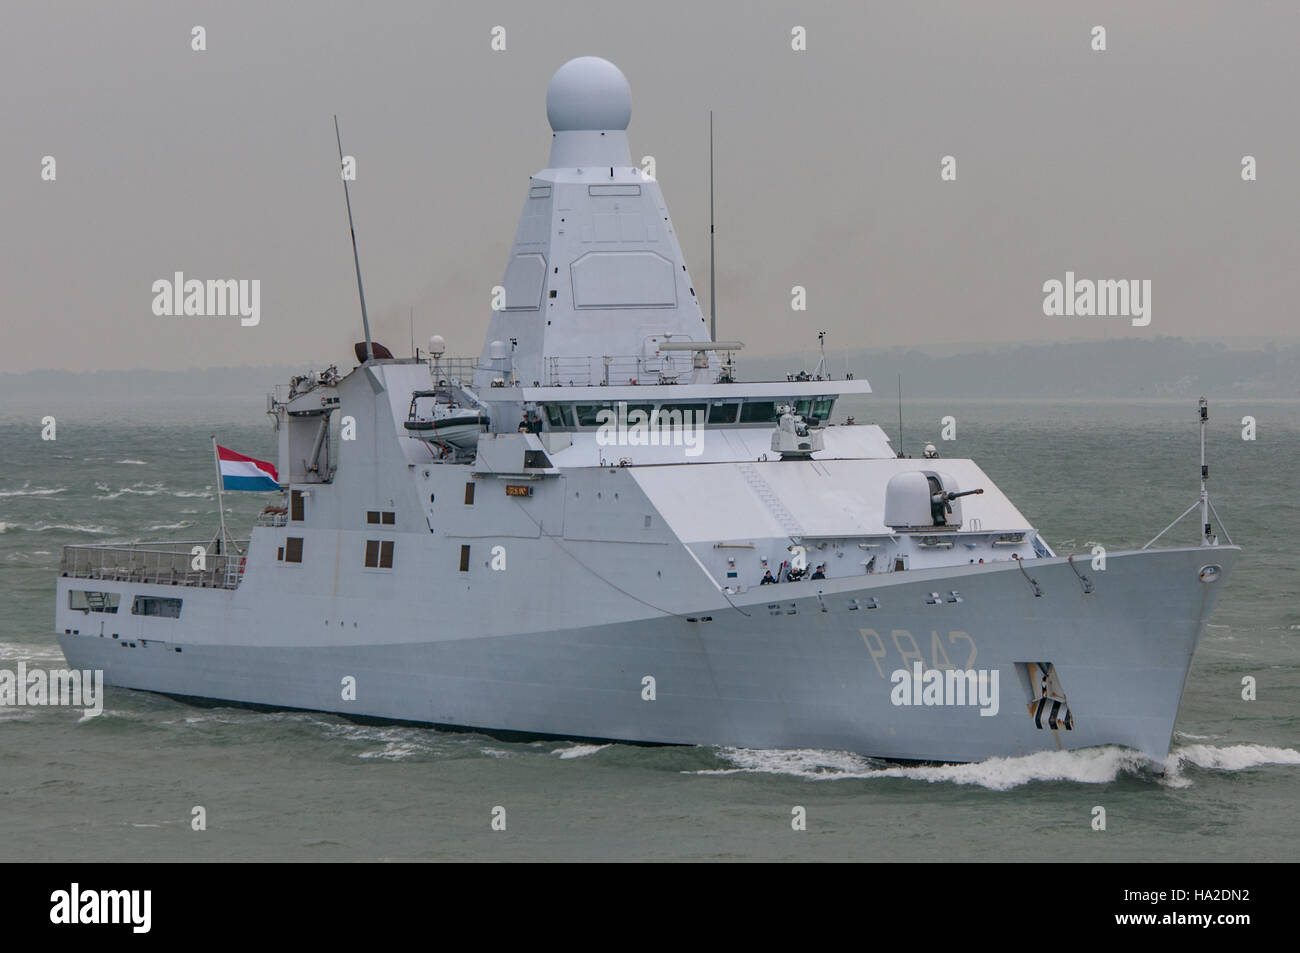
[1227,757]
[28,490]
[70,528]
[1087,766]
[138,463]
[578,751]
[16,651]
[1084,766]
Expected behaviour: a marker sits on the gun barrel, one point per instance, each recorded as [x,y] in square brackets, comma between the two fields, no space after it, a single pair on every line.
[953,496]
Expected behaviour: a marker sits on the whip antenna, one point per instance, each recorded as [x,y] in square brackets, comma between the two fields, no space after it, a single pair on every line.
[356,259]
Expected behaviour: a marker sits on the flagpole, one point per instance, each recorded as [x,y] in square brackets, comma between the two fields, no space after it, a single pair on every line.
[221,504]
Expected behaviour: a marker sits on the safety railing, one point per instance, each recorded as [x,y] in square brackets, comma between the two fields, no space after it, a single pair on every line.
[162,563]
[595,370]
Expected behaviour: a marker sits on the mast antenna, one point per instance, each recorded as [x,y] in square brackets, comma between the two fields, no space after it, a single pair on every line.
[713,294]
[1208,537]
[900,417]
[356,259]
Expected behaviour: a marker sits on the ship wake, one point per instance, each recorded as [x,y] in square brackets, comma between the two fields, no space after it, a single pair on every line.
[1100,765]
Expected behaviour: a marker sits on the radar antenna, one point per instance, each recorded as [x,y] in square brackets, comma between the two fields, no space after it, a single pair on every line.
[713,294]
[361,292]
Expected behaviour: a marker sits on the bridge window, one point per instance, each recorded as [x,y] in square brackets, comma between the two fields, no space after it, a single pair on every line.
[381,517]
[685,413]
[559,415]
[297,506]
[587,414]
[293,549]
[758,412]
[724,411]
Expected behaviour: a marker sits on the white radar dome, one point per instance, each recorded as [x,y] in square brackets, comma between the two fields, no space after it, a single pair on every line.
[588,93]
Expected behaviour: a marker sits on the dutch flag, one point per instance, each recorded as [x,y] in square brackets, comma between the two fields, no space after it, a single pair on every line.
[239,472]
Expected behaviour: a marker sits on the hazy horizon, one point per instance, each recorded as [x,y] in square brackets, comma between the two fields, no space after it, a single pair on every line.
[1122,164]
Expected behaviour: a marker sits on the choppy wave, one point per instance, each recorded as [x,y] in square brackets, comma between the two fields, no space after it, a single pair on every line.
[28,490]
[1086,766]
[135,489]
[17,651]
[578,751]
[1225,758]
[139,463]
[396,744]
[66,528]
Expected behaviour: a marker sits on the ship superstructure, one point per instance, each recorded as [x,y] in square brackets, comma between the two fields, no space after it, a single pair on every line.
[595,530]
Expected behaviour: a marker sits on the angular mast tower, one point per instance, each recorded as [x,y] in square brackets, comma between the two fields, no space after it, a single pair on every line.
[595,268]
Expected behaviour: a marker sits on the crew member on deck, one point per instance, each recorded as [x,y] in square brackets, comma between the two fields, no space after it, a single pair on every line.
[820,573]
[768,578]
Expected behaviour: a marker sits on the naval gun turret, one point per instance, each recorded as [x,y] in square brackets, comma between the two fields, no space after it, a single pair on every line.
[924,500]
[793,438]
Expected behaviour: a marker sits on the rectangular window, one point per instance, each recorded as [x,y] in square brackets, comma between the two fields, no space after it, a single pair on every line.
[86,601]
[380,517]
[379,554]
[680,415]
[293,549]
[559,415]
[372,517]
[156,606]
[724,411]
[388,517]
[279,554]
[469,493]
[587,414]
[758,412]
[464,559]
[297,506]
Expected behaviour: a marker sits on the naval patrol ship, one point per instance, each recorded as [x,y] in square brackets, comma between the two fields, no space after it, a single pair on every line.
[596,530]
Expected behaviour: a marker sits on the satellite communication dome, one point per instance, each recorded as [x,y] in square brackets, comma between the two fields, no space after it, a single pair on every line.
[437,346]
[588,93]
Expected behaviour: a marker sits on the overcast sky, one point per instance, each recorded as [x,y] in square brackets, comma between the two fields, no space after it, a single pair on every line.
[221,164]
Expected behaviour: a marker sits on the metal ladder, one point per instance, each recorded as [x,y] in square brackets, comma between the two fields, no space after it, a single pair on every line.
[763,490]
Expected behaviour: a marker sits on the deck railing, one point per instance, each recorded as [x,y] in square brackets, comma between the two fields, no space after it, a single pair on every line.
[594,370]
[161,563]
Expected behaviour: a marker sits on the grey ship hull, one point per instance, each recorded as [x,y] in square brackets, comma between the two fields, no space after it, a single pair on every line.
[790,666]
